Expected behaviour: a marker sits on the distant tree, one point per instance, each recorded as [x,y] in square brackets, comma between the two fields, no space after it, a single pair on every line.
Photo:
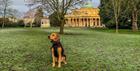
[134,8]
[106,13]
[116,5]
[53,20]
[13,13]
[29,4]
[115,11]
[4,5]
[38,16]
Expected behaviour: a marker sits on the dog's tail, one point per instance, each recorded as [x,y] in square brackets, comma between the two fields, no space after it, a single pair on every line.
[65,57]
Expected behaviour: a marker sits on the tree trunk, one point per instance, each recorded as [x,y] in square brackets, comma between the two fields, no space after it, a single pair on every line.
[117,25]
[3,23]
[31,25]
[62,27]
[4,18]
[24,25]
[134,21]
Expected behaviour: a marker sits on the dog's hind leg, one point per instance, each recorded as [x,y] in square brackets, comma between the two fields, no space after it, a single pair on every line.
[64,59]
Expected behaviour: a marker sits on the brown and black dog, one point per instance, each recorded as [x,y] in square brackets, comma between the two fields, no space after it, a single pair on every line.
[57,50]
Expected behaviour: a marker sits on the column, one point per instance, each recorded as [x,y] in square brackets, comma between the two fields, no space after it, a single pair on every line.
[76,23]
[91,22]
[95,22]
[72,22]
[100,22]
[81,22]
[68,22]
[86,22]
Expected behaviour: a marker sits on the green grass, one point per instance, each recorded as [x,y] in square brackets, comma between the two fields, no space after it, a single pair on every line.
[24,49]
[121,31]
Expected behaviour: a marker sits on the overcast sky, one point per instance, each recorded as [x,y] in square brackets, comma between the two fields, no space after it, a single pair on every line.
[19,4]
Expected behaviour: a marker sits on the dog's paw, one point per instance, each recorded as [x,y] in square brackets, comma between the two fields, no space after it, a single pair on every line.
[65,62]
[53,65]
[59,66]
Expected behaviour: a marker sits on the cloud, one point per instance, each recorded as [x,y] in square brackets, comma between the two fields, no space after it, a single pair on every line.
[18,2]
[21,8]
[96,3]
[20,5]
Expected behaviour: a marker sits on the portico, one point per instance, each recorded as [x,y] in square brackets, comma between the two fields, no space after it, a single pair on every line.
[83,17]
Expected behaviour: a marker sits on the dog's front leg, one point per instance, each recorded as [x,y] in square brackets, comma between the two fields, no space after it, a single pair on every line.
[60,57]
[53,58]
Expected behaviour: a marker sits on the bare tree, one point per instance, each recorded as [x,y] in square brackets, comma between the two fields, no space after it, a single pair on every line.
[61,8]
[15,13]
[30,4]
[5,4]
[38,16]
[116,5]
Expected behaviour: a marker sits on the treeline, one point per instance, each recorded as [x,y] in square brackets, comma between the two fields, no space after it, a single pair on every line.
[12,21]
[9,23]
[121,14]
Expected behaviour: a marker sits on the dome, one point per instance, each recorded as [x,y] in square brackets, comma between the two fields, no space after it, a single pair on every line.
[88,4]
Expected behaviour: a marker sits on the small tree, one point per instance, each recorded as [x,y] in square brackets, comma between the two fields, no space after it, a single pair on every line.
[38,16]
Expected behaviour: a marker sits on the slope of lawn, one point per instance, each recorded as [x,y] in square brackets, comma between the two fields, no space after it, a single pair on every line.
[24,49]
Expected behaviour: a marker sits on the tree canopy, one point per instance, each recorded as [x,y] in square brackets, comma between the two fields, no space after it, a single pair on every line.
[125,11]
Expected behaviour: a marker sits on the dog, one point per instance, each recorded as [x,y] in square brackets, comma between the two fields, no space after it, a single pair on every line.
[57,50]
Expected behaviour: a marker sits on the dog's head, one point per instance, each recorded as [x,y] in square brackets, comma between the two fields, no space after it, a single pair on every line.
[54,37]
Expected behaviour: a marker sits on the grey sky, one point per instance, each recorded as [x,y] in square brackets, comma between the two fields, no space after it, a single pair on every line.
[19,4]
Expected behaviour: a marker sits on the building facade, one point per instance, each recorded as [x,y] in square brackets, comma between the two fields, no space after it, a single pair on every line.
[45,22]
[29,18]
[84,17]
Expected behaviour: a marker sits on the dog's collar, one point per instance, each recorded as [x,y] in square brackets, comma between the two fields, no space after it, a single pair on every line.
[55,42]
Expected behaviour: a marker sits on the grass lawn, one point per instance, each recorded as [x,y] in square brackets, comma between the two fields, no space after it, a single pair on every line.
[24,49]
